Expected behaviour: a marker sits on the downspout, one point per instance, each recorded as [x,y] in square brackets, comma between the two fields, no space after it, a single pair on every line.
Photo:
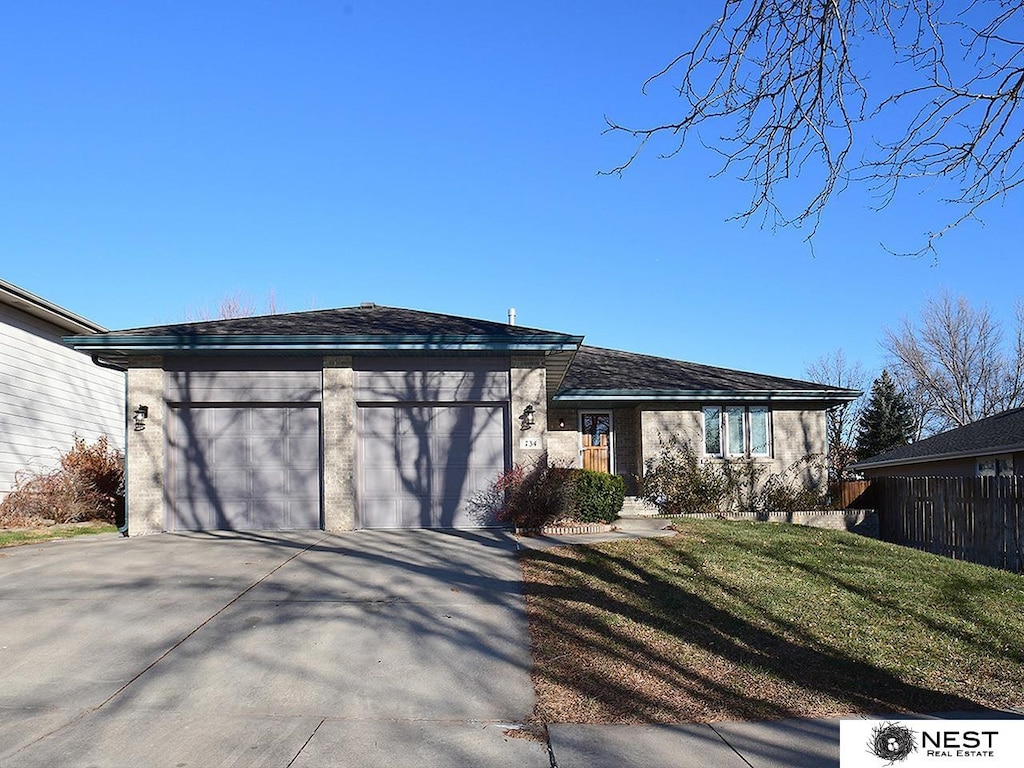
[123,530]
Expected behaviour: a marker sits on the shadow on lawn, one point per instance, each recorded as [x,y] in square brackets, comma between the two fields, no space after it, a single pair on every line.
[614,642]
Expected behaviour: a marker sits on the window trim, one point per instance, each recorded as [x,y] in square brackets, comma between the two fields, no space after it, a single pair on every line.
[725,450]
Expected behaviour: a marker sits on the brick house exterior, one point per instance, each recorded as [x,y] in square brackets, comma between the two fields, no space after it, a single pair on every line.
[376,417]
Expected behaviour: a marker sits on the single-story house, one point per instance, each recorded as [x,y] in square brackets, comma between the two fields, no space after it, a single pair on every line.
[379,417]
[992,447]
[48,392]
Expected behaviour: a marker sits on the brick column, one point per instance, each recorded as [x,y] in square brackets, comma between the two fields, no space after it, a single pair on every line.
[339,444]
[145,451]
[529,387]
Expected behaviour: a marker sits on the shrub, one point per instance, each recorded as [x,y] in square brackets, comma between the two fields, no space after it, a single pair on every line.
[788,491]
[534,496]
[678,482]
[88,486]
[597,496]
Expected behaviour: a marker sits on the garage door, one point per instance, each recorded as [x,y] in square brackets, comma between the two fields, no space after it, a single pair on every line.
[244,468]
[422,466]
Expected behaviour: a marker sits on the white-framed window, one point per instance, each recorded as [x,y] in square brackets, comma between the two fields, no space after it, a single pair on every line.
[995,466]
[737,430]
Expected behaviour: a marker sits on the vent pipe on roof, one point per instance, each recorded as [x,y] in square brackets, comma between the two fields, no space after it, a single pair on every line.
[511,315]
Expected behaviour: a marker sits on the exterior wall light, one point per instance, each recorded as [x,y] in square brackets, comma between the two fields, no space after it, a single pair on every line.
[141,414]
[528,418]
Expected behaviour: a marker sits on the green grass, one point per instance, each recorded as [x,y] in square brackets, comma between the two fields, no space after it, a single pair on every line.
[12,538]
[740,620]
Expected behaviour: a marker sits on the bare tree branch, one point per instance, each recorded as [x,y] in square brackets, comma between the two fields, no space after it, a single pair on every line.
[781,83]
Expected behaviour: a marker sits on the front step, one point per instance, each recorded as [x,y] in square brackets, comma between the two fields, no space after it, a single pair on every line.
[634,506]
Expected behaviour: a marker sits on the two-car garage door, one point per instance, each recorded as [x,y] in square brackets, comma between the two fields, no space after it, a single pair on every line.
[427,444]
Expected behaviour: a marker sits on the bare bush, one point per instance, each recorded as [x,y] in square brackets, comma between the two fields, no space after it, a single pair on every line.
[88,486]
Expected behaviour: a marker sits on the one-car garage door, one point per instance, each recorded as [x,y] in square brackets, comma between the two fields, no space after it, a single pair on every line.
[422,466]
[244,468]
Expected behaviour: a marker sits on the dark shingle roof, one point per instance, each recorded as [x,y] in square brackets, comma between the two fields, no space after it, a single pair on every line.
[595,371]
[1001,433]
[367,327]
[364,320]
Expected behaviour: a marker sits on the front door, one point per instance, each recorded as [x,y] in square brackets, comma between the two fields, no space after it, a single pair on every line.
[596,438]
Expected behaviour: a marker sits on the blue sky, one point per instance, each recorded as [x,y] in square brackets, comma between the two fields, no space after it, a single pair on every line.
[155,157]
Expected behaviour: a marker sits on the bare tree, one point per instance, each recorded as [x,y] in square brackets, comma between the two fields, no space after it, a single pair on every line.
[955,357]
[233,305]
[840,420]
[783,83]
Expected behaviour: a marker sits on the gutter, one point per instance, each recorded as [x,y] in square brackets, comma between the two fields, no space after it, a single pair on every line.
[123,530]
[689,395]
[222,342]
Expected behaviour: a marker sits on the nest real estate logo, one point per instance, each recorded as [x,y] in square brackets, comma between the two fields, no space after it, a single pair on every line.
[910,743]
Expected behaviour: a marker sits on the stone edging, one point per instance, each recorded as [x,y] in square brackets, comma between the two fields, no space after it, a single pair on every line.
[566,530]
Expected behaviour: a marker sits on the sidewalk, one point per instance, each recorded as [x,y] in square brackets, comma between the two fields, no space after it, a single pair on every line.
[797,743]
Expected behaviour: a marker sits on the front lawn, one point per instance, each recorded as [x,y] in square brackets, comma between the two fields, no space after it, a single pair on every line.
[739,620]
[10,537]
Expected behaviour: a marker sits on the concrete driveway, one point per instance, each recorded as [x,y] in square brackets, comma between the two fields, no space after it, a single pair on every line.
[362,649]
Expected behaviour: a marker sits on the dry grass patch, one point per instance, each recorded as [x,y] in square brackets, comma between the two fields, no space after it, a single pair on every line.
[735,620]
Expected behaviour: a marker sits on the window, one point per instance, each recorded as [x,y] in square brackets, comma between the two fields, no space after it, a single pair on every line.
[737,430]
[995,466]
[713,431]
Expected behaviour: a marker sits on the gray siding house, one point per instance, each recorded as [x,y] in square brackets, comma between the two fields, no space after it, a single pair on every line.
[990,447]
[378,417]
[48,392]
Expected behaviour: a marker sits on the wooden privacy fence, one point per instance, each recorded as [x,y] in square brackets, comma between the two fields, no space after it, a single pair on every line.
[980,519]
[853,494]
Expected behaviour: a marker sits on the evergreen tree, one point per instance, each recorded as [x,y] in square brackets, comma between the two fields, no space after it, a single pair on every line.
[887,421]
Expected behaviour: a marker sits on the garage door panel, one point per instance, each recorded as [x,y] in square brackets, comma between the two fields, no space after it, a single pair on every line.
[228,452]
[233,424]
[384,481]
[305,486]
[268,422]
[419,466]
[231,482]
[271,451]
[384,511]
[245,468]
[303,452]
[269,483]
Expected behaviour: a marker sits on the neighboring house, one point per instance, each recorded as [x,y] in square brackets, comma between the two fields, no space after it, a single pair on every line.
[377,417]
[989,447]
[49,393]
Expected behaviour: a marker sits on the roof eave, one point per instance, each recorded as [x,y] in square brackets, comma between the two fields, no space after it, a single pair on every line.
[129,345]
[44,310]
[965,454]
[692,395]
